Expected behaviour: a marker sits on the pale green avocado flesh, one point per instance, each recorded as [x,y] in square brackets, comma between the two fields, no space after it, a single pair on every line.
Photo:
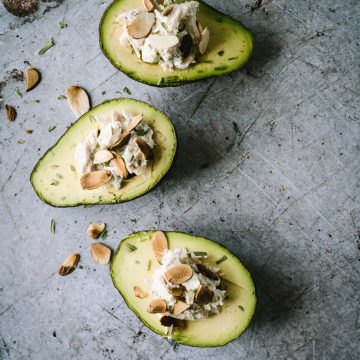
[229,48]
[56,181]
[131,268]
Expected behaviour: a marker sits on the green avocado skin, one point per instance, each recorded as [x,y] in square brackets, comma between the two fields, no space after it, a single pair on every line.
[115,200]
[176,77]
[145,235]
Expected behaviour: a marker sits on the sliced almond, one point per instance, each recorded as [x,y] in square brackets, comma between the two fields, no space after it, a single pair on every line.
[203,295]
[119,164]
[78,100]
[204,42]
[94,179]
[139,293]
[100,253]
[69,264]
[141,26]
[157,306]
[124,139]
[178,274]
[149,5]
[159,245]
[103,156]
[178,292]
[168,321]
[94,230]
[10,112]
[145,149]
[180,307]
[163,42]
[134,122]
[207,272]
[167,11]
[32,78]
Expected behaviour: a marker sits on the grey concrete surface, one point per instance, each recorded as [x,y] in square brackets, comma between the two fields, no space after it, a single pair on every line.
[285,198]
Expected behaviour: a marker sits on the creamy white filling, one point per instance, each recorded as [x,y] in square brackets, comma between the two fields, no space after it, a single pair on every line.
[180,21]
[110,129]
[161,289]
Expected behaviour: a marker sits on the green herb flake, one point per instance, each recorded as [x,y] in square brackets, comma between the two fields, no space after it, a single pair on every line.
[47,46]
[141,132]
[88,206]
[51,128]
[236,128]
[241,308]
[61,97]
[63,198]
[149,265]
[52,226]
[200,253]
[18,92]
[72,168]
[127,91]
[131,247]
[164,26]
[104,234]
[133,220]
[59,176]
[21,141]
[63,25]
[36,101]
[221,260]
[29,131]
[221,53]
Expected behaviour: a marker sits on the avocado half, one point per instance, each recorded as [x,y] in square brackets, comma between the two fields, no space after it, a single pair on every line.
[129,267]
[56,182]
[229,48]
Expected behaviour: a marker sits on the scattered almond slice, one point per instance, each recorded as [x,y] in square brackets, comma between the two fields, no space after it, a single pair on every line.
[178,274]
[119,163]
[124,139]
[69,264]
[159,245]
[157,306]
[167,11]
[149,5]
[180,307]
[145,149]
[141,26]
[10,112]
[168,321]
[94,179]
[207,272]
[78,100]
[178,292]
[32,79]
[139,293]
[204,42]
[100,253]
[103,156]
[134,122]
[203,295]
[163,42]
[94,230]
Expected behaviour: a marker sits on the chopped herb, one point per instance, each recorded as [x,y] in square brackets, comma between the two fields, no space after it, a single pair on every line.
[133,220]
[221,53]
[51,128]
[21,141]
[131,247]
[63,198]
[88,206]
[36,101]
[149,265]
[221,260]
[127,91]
[54,182]
[29,131]
[103,92]
[220,68]
[141,132]
[19,92]
[232,58]
[200,253]
[164,26]
[208,61]
[47,46]
[52,226]
[161,81]
[59,176]
[241,308]
[236,128]
[104,234]
[63,25]
[61,97]
[72,168]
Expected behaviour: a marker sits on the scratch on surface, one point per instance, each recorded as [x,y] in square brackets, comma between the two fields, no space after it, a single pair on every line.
[107,79]
[203,97]
[12,172]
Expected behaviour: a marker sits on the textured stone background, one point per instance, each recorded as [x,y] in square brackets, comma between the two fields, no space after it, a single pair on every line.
[285,199]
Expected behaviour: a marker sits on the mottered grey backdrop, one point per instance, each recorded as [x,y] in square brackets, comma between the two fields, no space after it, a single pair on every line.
[284,198]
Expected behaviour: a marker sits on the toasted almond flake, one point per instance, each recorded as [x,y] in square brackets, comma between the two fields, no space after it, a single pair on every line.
[139,293]
[69,264]
[178,274]
[168,321]
[103,156]
[163,42]
[94,179]
[157,306]
[141,26]
[119,164]
[134,122]
[124,139]
[149,5]
[180,307]
[178,292]
[204,42]
[10,112]
[145,149]
[100,253]
[207,272]
[78,100]
[168,10]
[94,230]
[159,245]
[32,78]
[203,295]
